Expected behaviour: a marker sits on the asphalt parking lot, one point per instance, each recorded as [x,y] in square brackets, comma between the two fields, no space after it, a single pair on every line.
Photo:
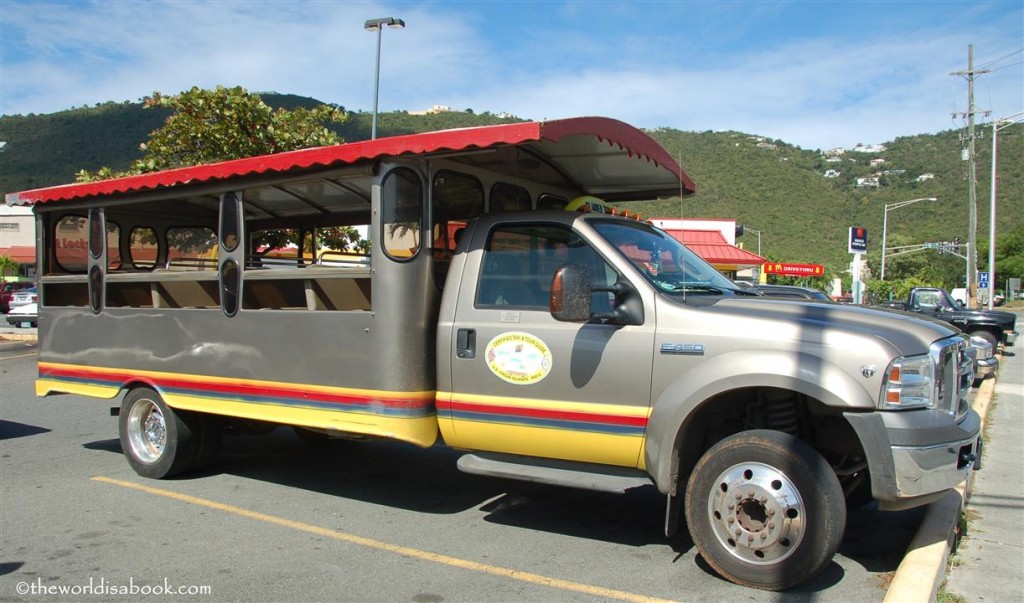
[275,520]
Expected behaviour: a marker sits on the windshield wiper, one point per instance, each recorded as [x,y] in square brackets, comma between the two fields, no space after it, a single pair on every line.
[692,286]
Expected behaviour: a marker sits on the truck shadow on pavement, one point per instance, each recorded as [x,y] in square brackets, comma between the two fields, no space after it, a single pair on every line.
[11,429]
[427,481]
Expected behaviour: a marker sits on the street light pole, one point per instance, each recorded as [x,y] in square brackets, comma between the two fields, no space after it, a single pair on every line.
[758,233]
[1006,122]
[885,223]
[377,26]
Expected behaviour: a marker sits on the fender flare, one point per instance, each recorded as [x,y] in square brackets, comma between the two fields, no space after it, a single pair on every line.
[683,399]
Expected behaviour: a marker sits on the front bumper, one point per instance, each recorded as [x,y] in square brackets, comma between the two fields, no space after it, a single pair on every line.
[985,367]
[915,456]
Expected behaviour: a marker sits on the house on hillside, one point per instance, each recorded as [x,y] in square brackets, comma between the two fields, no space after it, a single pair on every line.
[869,182]
[926,176]
[832,173]
[433,110]
[877,162]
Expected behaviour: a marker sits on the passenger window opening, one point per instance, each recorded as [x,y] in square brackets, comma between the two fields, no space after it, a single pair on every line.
[457,199]
[402,209]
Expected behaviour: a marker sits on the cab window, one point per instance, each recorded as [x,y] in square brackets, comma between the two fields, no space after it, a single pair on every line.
[520,261]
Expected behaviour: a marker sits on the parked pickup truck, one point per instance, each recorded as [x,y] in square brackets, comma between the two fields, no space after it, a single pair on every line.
[994,326]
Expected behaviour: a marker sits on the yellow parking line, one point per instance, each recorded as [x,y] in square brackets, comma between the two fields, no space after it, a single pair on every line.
[596,591]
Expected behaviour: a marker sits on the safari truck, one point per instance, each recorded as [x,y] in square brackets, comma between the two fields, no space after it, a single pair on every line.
[506,309]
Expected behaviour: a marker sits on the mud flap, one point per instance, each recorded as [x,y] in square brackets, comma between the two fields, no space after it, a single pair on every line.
[673,504]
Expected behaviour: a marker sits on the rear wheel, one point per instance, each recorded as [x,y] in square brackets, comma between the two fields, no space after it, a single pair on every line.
[157,441]
[765,510]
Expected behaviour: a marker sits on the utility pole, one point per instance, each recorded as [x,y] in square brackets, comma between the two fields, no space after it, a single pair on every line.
[972,193]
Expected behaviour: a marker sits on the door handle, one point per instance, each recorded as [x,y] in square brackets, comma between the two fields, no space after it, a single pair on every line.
[465,344]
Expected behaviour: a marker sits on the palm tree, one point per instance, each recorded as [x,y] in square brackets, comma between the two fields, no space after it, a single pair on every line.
[8,265]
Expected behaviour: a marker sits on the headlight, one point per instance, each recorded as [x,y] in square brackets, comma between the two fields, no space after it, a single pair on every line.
[908,384]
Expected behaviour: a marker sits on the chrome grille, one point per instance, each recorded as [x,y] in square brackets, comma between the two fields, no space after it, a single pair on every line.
[954,374]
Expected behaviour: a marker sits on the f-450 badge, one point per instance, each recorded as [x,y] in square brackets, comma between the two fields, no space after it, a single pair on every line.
[684,349]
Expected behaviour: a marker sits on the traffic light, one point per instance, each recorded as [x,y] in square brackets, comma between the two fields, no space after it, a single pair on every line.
[956,241]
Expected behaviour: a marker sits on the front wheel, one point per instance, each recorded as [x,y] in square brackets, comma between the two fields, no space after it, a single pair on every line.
[989,337]
[765,510]
[156,440]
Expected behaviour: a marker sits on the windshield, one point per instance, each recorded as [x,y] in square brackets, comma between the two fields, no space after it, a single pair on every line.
[664,261]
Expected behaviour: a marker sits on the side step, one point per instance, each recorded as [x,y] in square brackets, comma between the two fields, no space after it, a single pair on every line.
[586,476]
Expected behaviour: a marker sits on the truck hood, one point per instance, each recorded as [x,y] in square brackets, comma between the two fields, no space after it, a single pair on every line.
[909,333]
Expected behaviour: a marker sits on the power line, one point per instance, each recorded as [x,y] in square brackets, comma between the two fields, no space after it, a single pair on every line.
[994,61]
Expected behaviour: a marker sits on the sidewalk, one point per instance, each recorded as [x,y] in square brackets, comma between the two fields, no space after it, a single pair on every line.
[990,559]
[990,565]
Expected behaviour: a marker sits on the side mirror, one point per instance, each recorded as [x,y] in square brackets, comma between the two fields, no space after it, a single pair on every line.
[570,294]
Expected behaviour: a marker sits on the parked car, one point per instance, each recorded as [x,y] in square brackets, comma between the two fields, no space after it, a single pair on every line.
[23,298]
[26,315]
[7,291]
[790,291]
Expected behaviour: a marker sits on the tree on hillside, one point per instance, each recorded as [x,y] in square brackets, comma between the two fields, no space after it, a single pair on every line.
[208,126]
[1009,256]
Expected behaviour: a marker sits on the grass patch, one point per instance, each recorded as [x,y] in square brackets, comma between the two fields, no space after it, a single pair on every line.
[944,596]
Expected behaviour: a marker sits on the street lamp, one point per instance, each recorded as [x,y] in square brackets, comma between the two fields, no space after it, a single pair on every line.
[758,233]
[885,223]
[377,26]
[997,125]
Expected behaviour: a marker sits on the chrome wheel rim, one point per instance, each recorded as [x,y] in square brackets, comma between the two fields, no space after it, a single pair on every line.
[147,431]
[757,513]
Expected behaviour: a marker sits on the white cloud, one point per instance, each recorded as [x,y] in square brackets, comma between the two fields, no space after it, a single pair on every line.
[689,66]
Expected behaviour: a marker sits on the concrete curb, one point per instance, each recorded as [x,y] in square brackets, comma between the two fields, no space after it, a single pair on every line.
[923,568]
[18,337]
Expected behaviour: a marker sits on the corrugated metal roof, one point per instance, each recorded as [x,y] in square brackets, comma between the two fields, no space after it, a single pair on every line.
[569,144]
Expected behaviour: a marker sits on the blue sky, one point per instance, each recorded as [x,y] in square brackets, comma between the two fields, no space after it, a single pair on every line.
[818,74]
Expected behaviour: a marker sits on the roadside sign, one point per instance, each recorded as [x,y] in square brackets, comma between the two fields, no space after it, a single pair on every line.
[858,240]
[782,269]
[983,280]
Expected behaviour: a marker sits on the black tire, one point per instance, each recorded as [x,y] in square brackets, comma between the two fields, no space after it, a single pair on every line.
[738,489]
[157,440]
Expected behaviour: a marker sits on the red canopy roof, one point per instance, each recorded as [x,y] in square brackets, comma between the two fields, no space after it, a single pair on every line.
[602,156]
[714,249]
[23,254]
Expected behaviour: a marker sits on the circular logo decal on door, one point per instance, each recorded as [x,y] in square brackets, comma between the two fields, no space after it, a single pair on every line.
[519,358]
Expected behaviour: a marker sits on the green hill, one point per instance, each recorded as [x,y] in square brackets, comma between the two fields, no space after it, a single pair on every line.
[768,185]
